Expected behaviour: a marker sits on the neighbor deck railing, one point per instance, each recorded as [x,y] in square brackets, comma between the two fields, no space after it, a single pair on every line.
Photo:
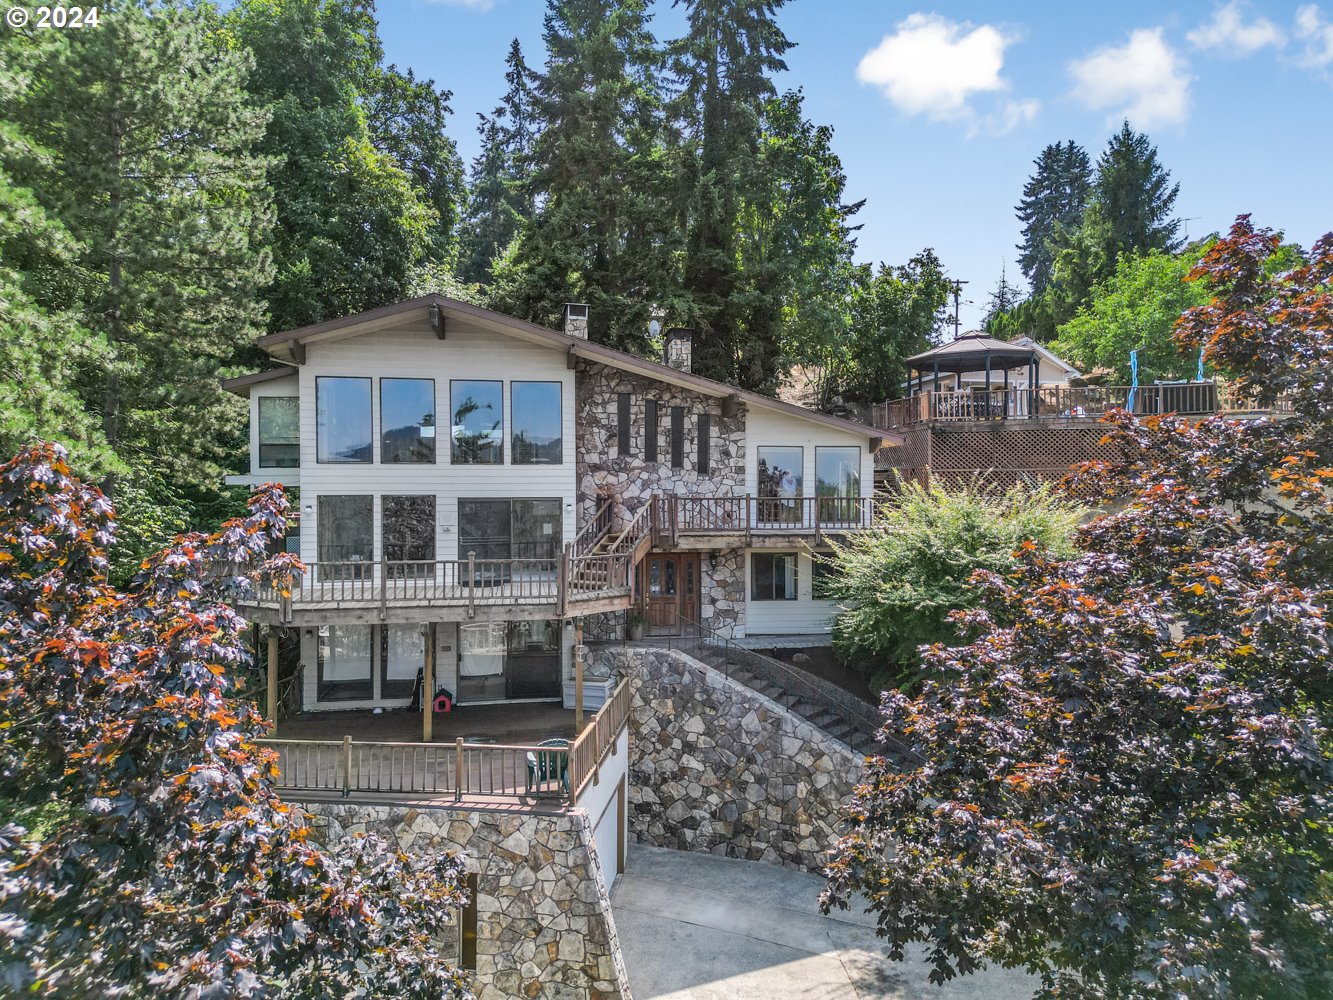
[458,770]
[1062,402]
[750,515]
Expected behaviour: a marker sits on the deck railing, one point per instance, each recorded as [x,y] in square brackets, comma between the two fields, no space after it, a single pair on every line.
[426,581]
[458,770]
[1062,402]
[751,515]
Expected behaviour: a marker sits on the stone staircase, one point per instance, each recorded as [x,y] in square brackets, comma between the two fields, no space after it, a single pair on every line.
[817,714]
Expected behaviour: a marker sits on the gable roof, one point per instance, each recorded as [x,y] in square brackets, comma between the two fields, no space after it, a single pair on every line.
[1049,355]
[289,345]
[243,382]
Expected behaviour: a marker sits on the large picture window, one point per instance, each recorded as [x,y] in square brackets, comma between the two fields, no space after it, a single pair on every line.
[342,420]
[535,413]
[780,484]
[478,422]
[345,663]
[407,420]
[409,533]
[773,576]
[509,529]
[279,432]
[838,484]
[345,525]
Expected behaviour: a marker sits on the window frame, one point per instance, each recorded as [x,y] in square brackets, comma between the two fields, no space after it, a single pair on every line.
[259,432]
[323,694]
[703,463]
[385,691]
[435,424]
[370,420]
[624,430]
[453,411]
[321,539]
[559,419]
[650,431]
[678,437]
[795,576]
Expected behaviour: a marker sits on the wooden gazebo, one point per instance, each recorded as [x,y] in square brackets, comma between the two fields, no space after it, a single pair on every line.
[975,352]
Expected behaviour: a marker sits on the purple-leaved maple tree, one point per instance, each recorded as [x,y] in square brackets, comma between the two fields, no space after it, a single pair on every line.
[159,860]
[1128,767]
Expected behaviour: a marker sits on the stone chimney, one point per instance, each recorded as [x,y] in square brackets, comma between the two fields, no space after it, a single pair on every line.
[576,320]
[678,348]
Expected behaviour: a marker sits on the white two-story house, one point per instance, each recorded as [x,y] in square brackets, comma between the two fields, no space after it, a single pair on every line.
[476,493]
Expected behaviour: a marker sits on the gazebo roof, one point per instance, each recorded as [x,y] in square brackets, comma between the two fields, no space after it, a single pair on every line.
[973,352]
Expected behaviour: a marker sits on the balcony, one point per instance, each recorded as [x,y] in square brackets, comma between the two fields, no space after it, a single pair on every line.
[391,590]
[747,517]
[1062,404]
[319,758]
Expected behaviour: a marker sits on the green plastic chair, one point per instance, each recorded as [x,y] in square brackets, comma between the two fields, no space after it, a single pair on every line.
[547,766]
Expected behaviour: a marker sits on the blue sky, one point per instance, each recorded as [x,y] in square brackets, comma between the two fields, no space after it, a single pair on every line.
[939,110]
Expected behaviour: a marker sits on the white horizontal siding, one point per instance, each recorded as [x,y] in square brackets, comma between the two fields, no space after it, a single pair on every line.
[413,352]
[765,428]
[803,616]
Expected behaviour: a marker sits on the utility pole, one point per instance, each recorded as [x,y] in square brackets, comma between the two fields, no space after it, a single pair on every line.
[957,292]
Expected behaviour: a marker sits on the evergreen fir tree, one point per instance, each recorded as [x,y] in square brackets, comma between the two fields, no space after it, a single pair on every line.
[1003,300]
[602,234]
[1055,195]
[1135,198]
[724,67]
[155,174]
[501,196]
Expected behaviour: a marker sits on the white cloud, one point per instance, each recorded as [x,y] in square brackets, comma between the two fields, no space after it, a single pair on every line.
[1229,32]
[1143,80]
[936,67]
[1318,35]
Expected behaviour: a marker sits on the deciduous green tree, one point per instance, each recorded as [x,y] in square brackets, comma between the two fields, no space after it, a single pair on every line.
[351,224]
[1128,767]
[1136,309]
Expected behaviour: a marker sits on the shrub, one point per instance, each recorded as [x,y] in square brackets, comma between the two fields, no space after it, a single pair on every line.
[900,582]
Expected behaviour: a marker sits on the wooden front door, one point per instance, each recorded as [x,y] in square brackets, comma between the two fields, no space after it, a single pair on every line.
[669,590]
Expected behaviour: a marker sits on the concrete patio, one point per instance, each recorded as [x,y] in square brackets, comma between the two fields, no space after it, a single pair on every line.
[698,927]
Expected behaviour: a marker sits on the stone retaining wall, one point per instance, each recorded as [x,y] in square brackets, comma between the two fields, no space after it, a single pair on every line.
[544,927]
[717,767]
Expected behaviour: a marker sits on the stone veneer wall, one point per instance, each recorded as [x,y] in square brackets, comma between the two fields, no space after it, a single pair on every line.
[544,927]
[717,767]
[603,472]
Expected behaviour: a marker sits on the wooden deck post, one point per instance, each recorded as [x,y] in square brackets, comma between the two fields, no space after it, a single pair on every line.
[428,686]
[273,675]
[578,675]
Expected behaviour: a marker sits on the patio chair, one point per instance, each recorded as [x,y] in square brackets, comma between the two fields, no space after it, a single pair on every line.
[547,766]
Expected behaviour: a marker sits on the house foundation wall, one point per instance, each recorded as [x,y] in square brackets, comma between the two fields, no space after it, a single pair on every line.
[544,925]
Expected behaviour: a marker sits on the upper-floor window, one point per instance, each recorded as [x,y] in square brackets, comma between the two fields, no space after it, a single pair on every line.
[535,414]
[838,483]
[343,420]
[780,484]
[279,432]
[407,420]
[478,422]
[677,436]
[624,432]
[650,430]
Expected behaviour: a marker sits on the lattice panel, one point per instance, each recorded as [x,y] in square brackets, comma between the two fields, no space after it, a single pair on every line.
[1006,453]
[1037,449]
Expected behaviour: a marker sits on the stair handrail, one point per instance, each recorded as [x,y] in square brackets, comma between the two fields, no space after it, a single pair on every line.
[795,681]
[639,526]
[586,539]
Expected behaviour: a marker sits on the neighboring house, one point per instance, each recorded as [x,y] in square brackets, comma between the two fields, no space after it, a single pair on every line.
[476,491]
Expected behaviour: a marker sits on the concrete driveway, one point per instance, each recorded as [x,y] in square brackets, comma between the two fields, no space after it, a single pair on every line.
[698,927]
